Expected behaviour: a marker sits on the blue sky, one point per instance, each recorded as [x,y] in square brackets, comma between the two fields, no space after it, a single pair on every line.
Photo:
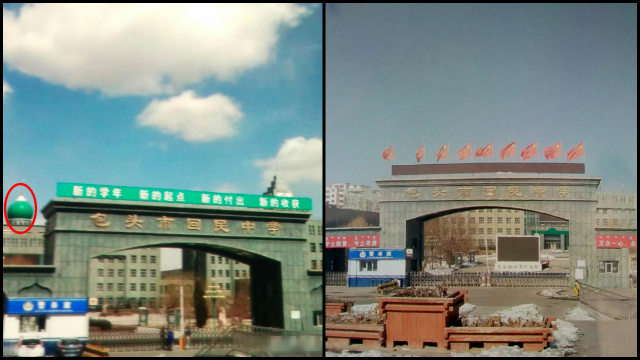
[216,101]
[428,74]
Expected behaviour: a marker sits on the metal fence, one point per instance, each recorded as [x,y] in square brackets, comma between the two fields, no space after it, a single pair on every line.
[493,278]
[335,279]
[150,340]
[614,305]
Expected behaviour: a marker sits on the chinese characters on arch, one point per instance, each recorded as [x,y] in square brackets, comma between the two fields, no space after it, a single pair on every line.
[219,226]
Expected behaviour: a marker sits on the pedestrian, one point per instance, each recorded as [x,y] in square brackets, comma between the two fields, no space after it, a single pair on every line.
[170,339]
[163,338]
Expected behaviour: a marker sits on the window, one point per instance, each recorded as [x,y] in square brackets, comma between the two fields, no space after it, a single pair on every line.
[508,220]
[517,220]
[481,220]
[132,287]
[226,273]
[101,260]
[152,287]
[318,316]
[111,260]
[213,259]
[508,231]
[499,210]
[143,273]
[143,287]
[143,259]
[227,286]
[219,273]
[213,273]
[368,265]
[121,288]
[499,230]
[110,287]
[120,272]
[100,272]
[609,266]
[489,220]
[153,272]
[133,273]
[31,323]
[134,259]
[481,231]
[226,260]
[517,231]
[100,287]
[314,263]
[237,273]
[312,230]
[244,273]
[219,259]
[489,231]
[312,247]
[319,231]
[110,272]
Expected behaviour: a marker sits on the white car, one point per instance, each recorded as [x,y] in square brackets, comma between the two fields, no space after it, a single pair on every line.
[30,347]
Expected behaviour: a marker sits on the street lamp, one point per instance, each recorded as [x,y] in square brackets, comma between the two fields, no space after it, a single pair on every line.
[213,292]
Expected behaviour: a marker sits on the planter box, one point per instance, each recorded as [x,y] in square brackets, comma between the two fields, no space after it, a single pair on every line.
[417,321]
[531,339]
[342,335]
[334,308]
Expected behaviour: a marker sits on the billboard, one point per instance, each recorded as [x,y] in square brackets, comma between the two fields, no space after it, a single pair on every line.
[352,241]
[518,253]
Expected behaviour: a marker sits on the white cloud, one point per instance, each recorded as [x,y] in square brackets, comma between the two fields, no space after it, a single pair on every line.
[192,118]
[141,49]
[5,89]
[298,160]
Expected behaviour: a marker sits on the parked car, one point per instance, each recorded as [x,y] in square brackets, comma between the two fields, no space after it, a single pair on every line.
[70,347]
[30,347]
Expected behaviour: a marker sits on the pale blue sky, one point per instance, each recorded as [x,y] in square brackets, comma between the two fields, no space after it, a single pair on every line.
[412,75]
[198,97]
[73,116]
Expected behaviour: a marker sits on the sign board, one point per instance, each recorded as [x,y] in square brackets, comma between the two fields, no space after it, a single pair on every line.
[38,306]
[352,241]
[158,195]
[381,254]
[518,253]
[579,274]
[604,241]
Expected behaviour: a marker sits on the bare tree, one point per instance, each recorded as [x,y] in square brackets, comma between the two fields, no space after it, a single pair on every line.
[448,235]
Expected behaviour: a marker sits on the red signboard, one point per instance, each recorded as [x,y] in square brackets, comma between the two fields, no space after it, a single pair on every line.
[352,241]
[616,241]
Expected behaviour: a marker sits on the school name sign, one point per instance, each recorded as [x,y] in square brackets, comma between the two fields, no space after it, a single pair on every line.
[129,193]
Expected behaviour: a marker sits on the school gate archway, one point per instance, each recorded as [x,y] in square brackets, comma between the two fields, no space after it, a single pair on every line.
[406,202]
[272,242]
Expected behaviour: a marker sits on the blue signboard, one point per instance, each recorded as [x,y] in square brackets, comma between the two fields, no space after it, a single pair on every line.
[39,306]
[377,254]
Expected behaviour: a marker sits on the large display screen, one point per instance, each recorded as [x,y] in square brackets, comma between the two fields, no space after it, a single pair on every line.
[518,248]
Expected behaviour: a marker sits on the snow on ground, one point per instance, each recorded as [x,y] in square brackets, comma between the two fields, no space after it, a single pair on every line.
[366,308]
[523,312]
[578,313]
[466,309]
[356,353]
[548,292]
[564,336]
[547,257]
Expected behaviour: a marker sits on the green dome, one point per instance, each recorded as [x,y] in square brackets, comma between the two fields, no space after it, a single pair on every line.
[20,209]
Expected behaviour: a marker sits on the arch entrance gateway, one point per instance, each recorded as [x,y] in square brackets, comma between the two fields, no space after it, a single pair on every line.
[409,200]
[272,241]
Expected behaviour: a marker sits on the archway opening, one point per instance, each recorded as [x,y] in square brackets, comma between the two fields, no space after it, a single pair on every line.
[241,276]
[464,237]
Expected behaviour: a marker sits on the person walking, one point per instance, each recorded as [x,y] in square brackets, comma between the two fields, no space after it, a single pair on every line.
[170,339]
